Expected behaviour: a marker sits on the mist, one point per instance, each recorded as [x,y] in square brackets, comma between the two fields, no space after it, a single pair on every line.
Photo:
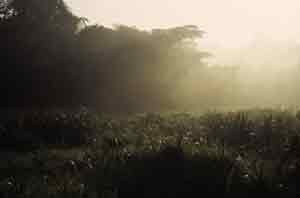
[146,99]
[257,39]
[69,59]
[264,73]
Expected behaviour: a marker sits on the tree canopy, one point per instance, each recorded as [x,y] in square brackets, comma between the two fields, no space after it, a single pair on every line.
[50,59]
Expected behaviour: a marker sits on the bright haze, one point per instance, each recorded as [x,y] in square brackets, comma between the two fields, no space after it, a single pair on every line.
[233,27]
[260,37]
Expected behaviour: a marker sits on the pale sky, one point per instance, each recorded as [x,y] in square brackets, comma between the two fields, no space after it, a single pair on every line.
[230,24]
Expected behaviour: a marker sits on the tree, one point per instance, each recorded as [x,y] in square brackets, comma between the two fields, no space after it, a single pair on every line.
[137,69]
[48,59]
[37,40]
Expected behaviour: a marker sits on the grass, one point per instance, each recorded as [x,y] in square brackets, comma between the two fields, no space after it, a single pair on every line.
[247,153]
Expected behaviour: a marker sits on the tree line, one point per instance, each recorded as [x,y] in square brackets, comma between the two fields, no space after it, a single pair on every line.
[51,58]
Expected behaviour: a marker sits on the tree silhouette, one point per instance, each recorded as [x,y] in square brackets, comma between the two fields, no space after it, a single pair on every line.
[52,58]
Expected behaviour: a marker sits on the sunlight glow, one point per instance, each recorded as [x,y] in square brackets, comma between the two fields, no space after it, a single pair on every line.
[231,25]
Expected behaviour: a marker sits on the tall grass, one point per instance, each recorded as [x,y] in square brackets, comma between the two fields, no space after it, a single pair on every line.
[229,154]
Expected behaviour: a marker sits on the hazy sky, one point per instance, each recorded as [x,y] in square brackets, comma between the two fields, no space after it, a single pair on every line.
[229,23]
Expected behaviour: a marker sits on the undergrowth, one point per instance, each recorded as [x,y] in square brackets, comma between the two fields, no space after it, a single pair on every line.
[81,154]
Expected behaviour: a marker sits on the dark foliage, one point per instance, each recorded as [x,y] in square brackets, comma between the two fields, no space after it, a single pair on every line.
[153,155]
[51,58]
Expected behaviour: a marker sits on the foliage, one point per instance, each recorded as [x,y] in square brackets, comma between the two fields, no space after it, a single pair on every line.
[230,154]
[52,58]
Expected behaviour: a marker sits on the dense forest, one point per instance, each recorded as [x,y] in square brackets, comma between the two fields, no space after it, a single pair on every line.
[52,58]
